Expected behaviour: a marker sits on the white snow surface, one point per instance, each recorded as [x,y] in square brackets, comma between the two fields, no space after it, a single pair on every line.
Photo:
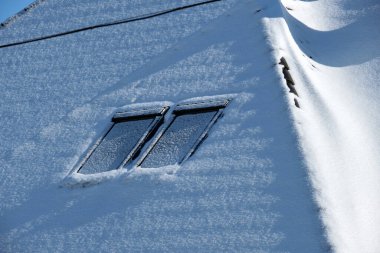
[247,188]
[333,49]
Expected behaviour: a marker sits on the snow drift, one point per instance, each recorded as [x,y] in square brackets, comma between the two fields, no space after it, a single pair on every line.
[334,53]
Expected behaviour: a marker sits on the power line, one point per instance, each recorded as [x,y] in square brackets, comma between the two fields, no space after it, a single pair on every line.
[117,22]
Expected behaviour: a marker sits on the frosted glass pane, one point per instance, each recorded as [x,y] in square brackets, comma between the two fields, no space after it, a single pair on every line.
[178,139]
[116,145]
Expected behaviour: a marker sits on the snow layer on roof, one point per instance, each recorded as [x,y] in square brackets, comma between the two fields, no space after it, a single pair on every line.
[244,190]
[333,49]
[58,16]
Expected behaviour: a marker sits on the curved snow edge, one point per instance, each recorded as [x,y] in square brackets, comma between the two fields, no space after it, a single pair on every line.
[283,45]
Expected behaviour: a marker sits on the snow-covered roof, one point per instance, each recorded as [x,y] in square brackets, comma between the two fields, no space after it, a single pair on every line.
[246,189]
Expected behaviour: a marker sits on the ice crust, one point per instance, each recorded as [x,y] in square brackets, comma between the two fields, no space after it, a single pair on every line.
[178,139]
[116,146]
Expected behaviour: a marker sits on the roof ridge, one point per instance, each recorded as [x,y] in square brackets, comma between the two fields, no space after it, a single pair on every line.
[14,17]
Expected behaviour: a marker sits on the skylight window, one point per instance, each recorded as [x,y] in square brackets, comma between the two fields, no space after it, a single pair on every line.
[184,134]
[123,140]
[152,138]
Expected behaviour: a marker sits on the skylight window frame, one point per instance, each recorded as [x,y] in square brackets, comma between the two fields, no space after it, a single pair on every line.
[189,108]
[123,116]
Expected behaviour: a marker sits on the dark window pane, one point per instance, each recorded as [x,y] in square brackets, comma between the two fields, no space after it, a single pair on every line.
[178,139]
[116,146]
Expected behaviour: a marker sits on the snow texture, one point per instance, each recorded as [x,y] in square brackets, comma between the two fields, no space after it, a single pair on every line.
[178,139]
[245,189]
[333,49]
[119,142]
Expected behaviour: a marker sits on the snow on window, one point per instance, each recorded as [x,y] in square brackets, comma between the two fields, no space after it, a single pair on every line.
[124,139]
[184,134]
[179,136]
[178,140]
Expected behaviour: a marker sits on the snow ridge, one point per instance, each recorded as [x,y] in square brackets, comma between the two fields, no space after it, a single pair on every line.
[336,67]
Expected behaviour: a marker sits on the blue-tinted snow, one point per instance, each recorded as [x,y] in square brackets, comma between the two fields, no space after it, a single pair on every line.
[244,190]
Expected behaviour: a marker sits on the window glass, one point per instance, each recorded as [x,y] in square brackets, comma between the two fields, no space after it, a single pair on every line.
[116,145]
[179,139]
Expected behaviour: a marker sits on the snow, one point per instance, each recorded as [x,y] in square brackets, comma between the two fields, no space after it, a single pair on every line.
[268,170]
[120,140]
[333,51]
[178,139]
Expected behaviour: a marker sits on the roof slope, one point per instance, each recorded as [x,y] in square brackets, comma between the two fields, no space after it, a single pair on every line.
[244,190]
[333,47]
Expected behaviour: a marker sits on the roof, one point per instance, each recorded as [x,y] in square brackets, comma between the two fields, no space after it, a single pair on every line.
[246,188]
